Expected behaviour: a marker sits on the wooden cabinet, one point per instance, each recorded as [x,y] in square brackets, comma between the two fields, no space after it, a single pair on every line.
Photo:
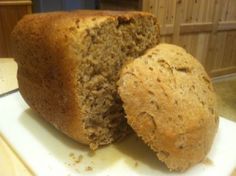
[10,12]
[206,28]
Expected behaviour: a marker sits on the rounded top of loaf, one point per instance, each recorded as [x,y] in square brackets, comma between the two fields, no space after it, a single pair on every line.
[85,17]
[170,102]
[58,29]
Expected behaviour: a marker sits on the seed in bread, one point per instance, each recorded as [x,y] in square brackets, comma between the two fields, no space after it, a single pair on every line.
[170,103]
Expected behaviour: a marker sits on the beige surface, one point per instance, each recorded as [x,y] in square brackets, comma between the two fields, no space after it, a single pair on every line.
[226,96]
[8,70]
[10,164]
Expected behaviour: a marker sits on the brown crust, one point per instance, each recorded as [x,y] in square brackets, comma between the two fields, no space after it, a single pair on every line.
[41,45]
[170,103]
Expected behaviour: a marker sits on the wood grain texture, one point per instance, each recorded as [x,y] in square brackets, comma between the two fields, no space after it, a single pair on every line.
[10,13]
[120,5]
[206,28]
[19,2]
[185,28]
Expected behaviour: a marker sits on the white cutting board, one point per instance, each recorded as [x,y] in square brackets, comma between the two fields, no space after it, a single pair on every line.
[47,152]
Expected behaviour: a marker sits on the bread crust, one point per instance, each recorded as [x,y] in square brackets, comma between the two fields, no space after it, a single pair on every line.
[170,103]
[43,49]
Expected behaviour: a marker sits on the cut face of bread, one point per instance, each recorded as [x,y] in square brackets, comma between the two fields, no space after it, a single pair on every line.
[68,64]
[170,103]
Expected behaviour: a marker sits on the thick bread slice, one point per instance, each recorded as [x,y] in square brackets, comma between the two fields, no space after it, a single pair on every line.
[68,64]
[170,103]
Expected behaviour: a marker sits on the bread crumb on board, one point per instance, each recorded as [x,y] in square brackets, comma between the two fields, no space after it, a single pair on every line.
[207,161]
[71,154]
[88,168]
[135,164]
[75,158]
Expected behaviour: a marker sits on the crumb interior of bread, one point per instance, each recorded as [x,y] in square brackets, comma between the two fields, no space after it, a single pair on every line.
[108,45]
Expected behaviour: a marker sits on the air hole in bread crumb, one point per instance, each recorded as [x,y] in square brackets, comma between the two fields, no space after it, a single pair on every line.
[203,103]
[178,53]
[146,62]
[66,37]
[211,110]
[183,69]
[151,93]
[135,83]
[150,68]
[180,117]
[206,79]
[93,38]
[158,80]
[72,29]
[163,63]
[123,21]
[77,23]
[155,104]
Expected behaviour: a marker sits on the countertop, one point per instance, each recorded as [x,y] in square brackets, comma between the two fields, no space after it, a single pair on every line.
[10,163]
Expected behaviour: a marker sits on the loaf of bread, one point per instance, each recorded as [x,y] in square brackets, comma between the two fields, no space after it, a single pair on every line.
[68,64]
[170,103]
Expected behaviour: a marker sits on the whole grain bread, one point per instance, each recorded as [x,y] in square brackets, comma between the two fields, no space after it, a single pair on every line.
[68,64]
[170,103]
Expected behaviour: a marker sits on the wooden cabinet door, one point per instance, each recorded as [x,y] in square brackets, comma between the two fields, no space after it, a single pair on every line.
[10,13]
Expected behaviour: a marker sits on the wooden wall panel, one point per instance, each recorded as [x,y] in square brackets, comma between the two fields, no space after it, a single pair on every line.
[206,28]
[120,4]
[10,13]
